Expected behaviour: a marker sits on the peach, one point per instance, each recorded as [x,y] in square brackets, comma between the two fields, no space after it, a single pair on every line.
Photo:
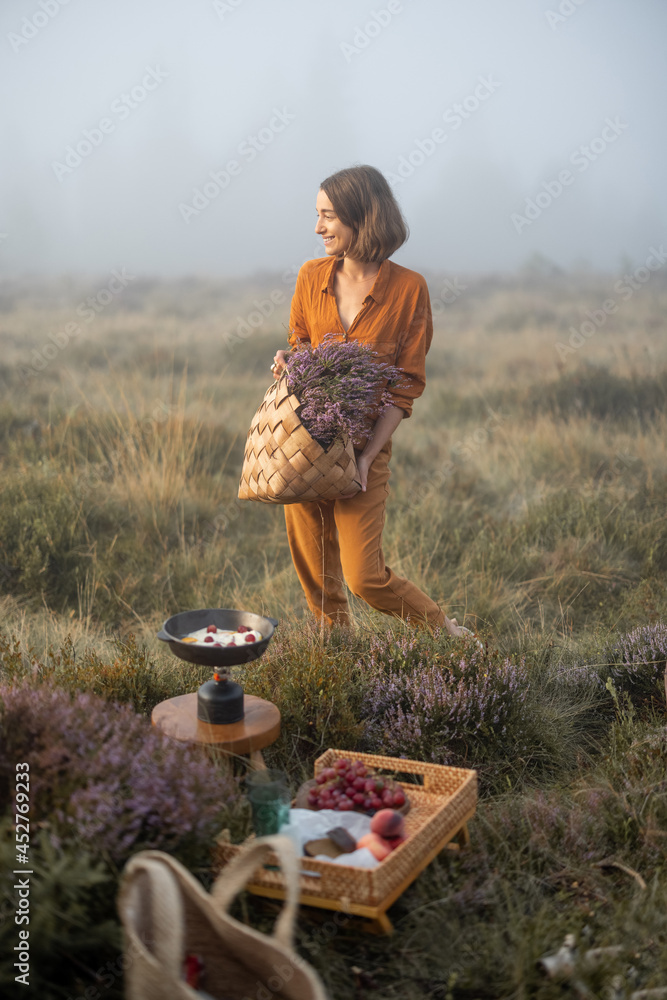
[378,847]
[388,823]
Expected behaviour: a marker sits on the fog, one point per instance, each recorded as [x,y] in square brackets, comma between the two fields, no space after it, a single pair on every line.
[176,138]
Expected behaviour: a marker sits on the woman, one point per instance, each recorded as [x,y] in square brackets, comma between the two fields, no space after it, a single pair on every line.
[358,293]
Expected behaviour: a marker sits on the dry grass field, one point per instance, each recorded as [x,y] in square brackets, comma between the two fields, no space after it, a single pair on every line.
[527,488]
[527,493]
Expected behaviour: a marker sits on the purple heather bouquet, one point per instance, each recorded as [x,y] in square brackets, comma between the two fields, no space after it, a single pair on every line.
[342,389]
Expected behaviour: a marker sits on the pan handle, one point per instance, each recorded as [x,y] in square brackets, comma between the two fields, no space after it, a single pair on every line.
[163,635]
[273,621]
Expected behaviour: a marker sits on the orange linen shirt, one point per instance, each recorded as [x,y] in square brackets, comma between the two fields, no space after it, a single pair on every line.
[394,321]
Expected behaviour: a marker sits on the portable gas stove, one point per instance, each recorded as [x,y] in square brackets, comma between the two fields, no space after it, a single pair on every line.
[219,713]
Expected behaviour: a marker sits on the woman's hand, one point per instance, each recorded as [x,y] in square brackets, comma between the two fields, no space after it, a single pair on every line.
[278,363]
[363,465]
[382,431]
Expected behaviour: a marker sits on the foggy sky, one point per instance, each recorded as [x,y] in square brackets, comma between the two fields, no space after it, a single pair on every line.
[114,113]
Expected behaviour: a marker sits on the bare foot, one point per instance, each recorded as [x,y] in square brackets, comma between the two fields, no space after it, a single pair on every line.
[453,628]
[459,631]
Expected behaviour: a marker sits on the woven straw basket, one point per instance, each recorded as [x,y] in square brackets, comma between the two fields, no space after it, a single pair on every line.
[167,915]
[440,807]
[284,464]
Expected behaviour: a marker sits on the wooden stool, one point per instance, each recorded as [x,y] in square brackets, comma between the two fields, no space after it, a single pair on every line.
[259,727]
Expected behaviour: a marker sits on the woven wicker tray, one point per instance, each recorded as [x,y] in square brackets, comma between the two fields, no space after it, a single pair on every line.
[441,806]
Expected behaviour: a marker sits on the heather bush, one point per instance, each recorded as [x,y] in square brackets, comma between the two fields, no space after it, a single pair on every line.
[634,665]
[102,777]
[446,709]
[638,661]
[469,707]
[104,784]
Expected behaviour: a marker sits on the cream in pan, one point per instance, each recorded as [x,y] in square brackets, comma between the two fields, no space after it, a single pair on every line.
[213,636]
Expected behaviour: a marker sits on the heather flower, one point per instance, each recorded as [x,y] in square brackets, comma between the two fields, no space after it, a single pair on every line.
[102,775]
[642,654]
[444,710]
[341,388]
[636,663]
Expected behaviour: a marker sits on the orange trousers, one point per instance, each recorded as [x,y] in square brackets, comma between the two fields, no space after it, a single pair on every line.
[332,541]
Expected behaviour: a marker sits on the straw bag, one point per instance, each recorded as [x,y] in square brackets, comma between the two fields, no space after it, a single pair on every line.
[284,464]
[171,923]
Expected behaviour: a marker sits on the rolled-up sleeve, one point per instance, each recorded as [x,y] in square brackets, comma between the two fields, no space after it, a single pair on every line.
[412,353]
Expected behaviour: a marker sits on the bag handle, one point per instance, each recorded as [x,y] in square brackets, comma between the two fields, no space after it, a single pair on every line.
[165,909]
[235,876]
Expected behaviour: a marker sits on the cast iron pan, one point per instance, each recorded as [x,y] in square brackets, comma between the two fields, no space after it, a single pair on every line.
[182,624]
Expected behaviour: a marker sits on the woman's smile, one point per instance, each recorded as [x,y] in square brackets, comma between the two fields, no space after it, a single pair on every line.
[336,236]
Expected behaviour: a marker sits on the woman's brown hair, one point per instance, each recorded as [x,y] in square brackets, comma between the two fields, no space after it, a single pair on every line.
[363,200]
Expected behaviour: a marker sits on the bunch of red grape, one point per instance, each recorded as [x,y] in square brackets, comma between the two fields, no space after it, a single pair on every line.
[352,785]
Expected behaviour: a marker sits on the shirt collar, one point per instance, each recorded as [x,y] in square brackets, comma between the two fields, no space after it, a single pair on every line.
[379,285]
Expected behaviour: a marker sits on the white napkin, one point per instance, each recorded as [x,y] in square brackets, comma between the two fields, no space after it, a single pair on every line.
[357,859]
[311,824]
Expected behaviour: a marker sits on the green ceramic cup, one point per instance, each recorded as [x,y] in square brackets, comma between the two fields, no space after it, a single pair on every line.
[270,810]
[270,798]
